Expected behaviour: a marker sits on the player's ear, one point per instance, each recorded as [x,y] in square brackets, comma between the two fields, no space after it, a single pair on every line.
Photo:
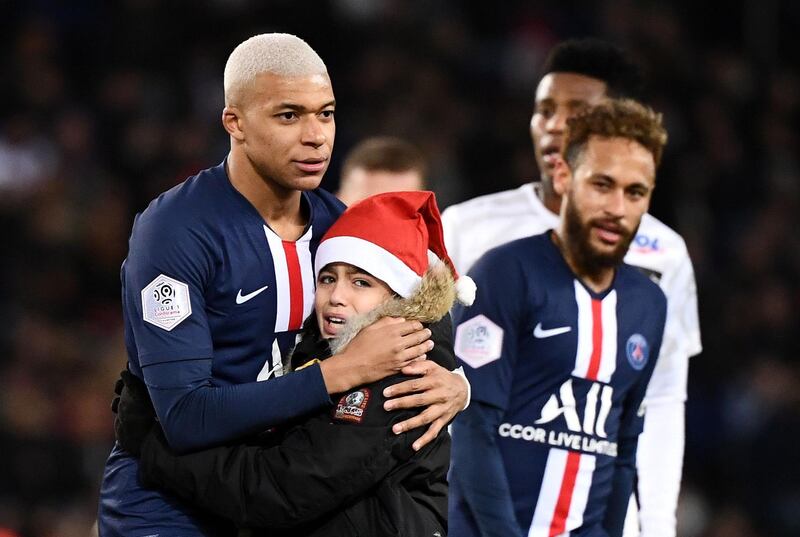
[562,176]
[231,120]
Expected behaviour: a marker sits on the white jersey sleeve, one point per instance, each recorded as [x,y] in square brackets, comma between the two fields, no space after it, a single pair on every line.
[662,252]
[474,227]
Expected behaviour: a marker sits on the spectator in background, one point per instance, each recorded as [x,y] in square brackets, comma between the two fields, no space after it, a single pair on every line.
[381,164]
[579,74]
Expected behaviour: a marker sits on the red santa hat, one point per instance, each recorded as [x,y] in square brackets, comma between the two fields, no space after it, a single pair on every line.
[395,237]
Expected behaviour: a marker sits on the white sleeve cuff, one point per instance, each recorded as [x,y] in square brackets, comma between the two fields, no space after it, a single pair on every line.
[460,372]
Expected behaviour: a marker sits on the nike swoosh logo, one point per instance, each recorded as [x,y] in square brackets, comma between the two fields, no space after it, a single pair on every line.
[541,333]
[266,376]
[241,299]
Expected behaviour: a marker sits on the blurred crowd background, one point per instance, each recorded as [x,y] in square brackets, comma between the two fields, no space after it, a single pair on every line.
[103,105]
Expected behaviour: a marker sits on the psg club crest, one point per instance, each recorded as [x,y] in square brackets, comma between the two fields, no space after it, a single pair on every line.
[637,351]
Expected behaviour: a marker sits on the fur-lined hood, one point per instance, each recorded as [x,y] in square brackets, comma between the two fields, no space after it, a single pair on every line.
[430,302]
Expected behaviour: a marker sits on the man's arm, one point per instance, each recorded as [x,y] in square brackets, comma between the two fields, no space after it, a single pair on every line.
[318,466]
[441,392]
[659,458]
[622,486]
[486,343]
[168,259]
[196,414]
[175,359]
[631,423]
[479,473]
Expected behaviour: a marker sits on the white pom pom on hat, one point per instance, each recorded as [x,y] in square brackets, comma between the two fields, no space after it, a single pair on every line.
[389,235]
[465,290]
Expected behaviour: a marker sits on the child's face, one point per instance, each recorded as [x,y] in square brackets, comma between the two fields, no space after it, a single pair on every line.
[344,290]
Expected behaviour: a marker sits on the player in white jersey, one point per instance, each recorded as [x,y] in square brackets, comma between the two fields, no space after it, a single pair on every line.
[578,74]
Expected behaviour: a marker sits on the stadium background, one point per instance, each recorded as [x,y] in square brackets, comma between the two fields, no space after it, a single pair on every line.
[105,104]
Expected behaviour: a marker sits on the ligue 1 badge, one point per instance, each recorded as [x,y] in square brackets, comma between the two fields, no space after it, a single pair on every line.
[637,351]
[166,302]
[478,341]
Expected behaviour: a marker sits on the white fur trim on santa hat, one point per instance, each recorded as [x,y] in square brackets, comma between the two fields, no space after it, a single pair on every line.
[370,257]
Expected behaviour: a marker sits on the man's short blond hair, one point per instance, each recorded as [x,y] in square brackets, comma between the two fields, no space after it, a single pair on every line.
[281,54]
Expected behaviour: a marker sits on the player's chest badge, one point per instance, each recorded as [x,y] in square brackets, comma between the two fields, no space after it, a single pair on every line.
[638,351]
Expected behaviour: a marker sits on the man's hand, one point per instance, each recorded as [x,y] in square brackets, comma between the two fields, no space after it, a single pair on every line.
[379,350]
[443,392]
[135,415]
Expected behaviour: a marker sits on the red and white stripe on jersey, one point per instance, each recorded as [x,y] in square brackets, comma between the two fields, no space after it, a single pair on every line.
[596,354]
[563,493]
[568,475]
[294,279]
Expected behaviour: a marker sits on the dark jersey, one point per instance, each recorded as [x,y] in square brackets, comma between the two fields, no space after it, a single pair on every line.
[212,299]
[567,368]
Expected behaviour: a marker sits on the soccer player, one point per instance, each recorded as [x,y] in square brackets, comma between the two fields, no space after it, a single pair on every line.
[381,164]
[559,347]
[219,278]
[579,74]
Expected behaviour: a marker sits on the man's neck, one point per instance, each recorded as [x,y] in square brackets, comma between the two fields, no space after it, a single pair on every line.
[279,207]
[597,280]
[551,200]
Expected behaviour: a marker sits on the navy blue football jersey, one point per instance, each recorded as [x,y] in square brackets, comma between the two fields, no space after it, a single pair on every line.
[568,368]
[206,281]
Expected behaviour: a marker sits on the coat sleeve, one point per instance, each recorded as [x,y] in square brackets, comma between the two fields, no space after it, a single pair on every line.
[316,468]
[319,465]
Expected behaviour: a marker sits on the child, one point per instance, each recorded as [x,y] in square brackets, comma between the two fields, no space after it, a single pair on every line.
[341,472]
